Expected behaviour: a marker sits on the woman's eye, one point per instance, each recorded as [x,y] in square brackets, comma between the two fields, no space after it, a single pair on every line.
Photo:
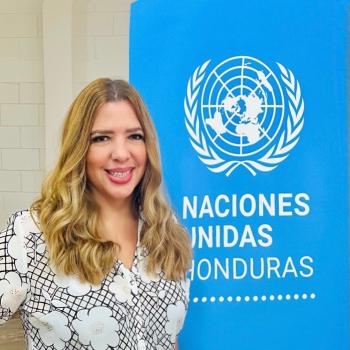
[99,138]
[136,137]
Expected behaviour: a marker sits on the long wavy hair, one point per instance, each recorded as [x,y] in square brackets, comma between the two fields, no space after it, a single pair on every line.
[68,215]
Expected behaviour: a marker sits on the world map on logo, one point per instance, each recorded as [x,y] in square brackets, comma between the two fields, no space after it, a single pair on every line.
[247,108]
[241,113]
[242,105]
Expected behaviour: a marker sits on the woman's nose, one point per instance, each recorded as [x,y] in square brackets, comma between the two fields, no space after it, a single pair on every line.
[120,151]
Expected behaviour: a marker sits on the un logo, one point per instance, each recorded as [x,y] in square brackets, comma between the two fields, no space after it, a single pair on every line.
[242,113]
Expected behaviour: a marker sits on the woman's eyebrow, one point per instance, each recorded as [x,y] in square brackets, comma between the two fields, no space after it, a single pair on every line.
[136,129]
[101,132]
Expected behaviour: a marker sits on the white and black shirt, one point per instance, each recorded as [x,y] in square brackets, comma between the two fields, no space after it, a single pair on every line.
[130,309]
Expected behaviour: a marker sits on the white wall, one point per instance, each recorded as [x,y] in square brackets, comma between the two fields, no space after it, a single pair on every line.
[21,104]
[98,47]
[100,40]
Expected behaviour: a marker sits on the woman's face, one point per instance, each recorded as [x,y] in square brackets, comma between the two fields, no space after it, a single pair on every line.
[117,157]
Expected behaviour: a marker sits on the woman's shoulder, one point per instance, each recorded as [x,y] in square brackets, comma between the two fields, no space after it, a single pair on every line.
[19,242]
[23,222]
[26,218]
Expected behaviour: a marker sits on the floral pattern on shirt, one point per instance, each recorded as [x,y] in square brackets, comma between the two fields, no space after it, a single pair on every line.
[97,327]
[53,328]
[130,310]
[73,285]
[12,291]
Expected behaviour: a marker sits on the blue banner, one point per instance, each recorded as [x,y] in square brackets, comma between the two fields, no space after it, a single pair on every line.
[250,103]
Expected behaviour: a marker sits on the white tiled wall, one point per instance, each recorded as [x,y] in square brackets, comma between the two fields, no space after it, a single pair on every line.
[100,38]
[21,99]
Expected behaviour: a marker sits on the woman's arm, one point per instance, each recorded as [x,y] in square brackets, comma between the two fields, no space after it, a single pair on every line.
[13,268]
[176,346]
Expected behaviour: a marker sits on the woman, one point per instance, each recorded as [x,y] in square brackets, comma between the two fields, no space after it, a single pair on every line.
[99,261]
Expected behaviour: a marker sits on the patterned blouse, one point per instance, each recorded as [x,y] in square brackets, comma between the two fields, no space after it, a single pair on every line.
[130,309]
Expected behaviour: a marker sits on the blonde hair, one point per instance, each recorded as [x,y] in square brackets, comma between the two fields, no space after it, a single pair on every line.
[66,210]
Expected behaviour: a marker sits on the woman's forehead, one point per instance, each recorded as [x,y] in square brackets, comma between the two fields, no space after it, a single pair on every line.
[118,114]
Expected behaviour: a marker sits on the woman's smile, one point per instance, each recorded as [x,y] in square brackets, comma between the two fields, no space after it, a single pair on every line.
[120,176]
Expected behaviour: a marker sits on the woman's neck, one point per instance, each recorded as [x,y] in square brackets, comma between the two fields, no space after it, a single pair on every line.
[117,223]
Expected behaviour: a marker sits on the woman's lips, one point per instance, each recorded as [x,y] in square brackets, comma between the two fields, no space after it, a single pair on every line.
[120,176]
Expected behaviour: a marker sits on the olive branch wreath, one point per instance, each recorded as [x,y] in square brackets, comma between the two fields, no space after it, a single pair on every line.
[275,155]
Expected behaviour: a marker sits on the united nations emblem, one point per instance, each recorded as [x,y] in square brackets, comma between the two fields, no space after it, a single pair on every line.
[242,113]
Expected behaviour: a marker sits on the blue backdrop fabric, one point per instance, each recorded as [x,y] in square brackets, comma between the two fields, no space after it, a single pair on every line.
[249,101]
